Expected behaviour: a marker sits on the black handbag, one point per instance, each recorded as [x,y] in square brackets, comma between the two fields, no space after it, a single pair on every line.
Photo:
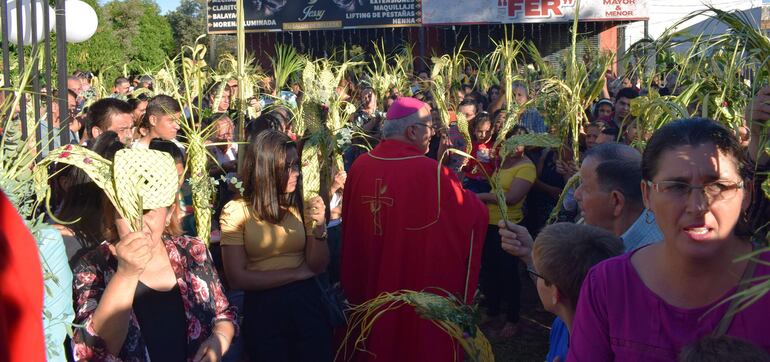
[334,302]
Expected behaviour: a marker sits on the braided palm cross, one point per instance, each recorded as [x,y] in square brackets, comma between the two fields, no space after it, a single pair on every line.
[375,204]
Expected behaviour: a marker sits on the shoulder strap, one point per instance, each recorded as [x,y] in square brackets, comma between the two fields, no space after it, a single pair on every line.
[744,284]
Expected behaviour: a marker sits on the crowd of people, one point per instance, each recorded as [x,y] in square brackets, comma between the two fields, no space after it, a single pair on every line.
[640,264]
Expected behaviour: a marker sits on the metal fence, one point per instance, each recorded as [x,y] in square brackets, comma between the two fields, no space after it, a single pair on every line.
[40,89]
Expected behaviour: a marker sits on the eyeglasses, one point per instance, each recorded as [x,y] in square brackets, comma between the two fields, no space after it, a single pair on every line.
[534,275]
[714,191]
[434,128]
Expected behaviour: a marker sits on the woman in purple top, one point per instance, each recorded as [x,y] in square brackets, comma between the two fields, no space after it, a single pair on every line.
[647,305]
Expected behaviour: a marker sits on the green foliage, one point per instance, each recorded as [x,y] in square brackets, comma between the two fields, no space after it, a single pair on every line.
[100,53]
[131,33]
[155,41]
[187,22]
[285,63]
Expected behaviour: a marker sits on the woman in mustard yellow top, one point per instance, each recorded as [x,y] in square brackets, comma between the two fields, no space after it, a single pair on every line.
[499,271]
[267,252]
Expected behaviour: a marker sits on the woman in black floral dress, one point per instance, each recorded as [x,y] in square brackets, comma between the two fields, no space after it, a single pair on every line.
[149,295]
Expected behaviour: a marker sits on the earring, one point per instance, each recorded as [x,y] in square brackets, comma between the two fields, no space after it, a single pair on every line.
[649,217]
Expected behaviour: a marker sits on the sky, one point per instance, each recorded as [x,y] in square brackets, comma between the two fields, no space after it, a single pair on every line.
[167,5]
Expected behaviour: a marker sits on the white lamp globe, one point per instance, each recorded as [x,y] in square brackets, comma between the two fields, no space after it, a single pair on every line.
[27,7]
[81,21]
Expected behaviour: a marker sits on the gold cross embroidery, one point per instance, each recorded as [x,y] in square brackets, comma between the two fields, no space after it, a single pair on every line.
[375,204]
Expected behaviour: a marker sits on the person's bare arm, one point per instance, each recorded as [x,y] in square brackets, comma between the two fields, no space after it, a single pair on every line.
[316,247]
[113,313]
[517,191]
[516,240]
[239,277]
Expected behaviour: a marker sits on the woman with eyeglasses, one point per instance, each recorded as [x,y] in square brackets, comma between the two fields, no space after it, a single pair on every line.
[648,304]
[268,252]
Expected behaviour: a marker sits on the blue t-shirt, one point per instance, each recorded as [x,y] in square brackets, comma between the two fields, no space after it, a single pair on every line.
[558,341]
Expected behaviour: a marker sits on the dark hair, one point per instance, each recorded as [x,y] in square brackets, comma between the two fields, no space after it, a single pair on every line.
[565,252]
[136,101]
[57,94]
[598,124]
[692,132]
[623,176]
[265,173]
[84,203]
[157,106]
[121,80]
[611,131]
[266,121]
[479,119]
[518,129]
[169,147]
[107,144]
[80,74]
[100,113]
[629,93]
[469,102]
[282,113]
[724,348]
[613,152]
[598,104]
[214,89]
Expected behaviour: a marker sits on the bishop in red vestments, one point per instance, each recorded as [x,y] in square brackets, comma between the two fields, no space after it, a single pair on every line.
[408,225]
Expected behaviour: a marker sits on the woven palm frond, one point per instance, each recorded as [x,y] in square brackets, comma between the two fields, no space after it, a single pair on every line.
[463,127]
[439,88]
[499,191]
[137,180]
[544,140]
[328,83]
[144,180]
[165,80]
[309,79]
[311,170]
[312,115]
[201,184]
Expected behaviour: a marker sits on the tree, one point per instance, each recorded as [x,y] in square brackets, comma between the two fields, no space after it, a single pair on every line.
[144,34]
[130,33]
[188,22]
[100,54]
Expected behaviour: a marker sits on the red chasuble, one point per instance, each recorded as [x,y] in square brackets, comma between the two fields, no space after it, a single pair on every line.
[400,234]
[21,294]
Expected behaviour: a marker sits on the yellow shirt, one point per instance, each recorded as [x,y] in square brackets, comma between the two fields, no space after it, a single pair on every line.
[268,246]
[522,170]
